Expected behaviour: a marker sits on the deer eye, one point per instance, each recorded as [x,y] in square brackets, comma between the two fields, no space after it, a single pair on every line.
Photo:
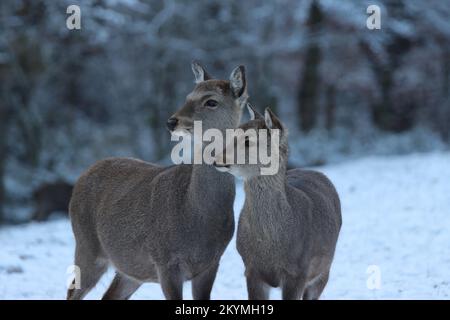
[211,103]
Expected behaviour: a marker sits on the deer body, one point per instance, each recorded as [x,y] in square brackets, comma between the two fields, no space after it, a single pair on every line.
[128,228]
[287,236]
[158,224]
[288,227]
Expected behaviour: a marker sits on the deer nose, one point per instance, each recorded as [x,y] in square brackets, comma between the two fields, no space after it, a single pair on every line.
[172,123]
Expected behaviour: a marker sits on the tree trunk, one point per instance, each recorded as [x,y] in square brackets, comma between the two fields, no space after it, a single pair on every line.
[309,83]
[388,115]
[444,119]
[330,111]
[4,119]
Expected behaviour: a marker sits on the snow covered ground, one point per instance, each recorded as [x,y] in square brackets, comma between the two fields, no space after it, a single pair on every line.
[396,217]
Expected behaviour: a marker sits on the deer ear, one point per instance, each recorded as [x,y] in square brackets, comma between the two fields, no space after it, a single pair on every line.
[238,82]
[272,121]
[253,113]
[199,72]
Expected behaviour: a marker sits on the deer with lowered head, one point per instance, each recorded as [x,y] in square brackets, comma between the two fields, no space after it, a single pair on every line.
[160,224]
[290,222]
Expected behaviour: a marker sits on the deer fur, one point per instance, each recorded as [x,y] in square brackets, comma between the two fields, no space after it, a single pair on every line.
[160,224]
[290,222]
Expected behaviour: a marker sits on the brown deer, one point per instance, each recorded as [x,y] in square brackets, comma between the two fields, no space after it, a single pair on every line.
[160,224]
[290,222]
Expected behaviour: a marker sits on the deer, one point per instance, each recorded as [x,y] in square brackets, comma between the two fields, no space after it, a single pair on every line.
[290,221]
[158,224]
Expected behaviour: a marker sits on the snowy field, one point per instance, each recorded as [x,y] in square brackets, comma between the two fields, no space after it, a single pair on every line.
[396,216]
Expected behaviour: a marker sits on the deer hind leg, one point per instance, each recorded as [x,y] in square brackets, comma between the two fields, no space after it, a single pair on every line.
[121,288]
[315,289]
[91,267]
[203,283]
[256,288]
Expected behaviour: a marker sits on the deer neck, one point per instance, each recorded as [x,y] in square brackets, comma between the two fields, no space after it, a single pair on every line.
[211,186]
[267,191]
[208,184]
[206,174]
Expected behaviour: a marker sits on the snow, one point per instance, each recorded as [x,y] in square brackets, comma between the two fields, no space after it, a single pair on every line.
[395,216]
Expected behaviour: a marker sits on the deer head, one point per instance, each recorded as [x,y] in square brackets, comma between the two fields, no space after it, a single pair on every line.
[253,141]
[216,103]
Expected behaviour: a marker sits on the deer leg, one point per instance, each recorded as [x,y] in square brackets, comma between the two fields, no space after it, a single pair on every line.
[256,288]
[91,270]
[203,283]
[315,289]
[293,288]
[121,288]
[171,283]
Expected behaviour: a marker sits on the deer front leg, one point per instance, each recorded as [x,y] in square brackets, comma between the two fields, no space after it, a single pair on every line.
[314,291]
[256,288]
[121,288]
[171,282]
[203,283]
[293,288]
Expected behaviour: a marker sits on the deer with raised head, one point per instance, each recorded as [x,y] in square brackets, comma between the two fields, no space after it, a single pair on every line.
[290,222]
[160,224]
